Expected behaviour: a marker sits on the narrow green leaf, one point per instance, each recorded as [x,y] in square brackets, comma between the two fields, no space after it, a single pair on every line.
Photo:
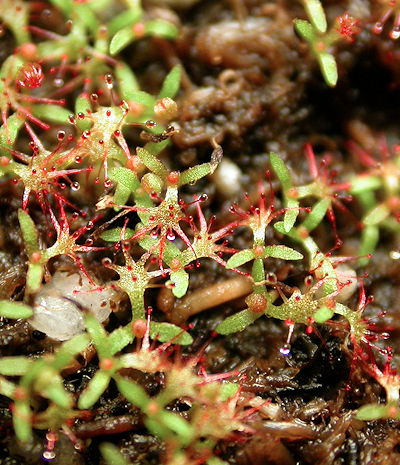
[134,393]
[178,425]
[171,83]
[126,18]
[34,277]
[52,113]
[369,241]
[6,387]
[240,258]
[291,214]
[237,322]
[14,366]
[15,309]
[98,335]
[316,14]
[8,133]
[328,67]
[143,98]
[127,80]
[152,162]
[281,170]
[283,252]
[120,338]
[317,214]
[228,390]
[29,232]
[68,350]
[111,454]
[161,28]
[180,281]
[56,393]
[22,419]
[166,332]
[127,182]
[305,30]
[82,105]
[97,385]
[195,173]
[376,215]
[121,40]
[372,412]
[323,314]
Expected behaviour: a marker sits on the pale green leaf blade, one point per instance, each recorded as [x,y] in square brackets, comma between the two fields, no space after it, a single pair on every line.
[10,309]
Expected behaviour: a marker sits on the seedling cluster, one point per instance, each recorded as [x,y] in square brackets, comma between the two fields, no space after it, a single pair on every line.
[89,156]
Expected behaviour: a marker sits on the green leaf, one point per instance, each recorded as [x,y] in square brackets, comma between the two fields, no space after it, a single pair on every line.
[9,132]
[237,322]
[180,281]
[127,80]
[29,232]
[126,18]
[68,350]
[15,309]
[328,67]
[22,419]
[240,258]
[143,98]
[55,392]
[171,83]
[369,241]
[281,170]
[323,314]
[134,393]
[111,454]
[152,162]
[195,173]
[121,40]
[6,387]
[283,252]
[15,366]
[97,385]
[291,214]
[52,113]
[365,183]
[127,182]
[317,214]
[228,390]
[178,425]
[316,14]
[161,28]
[82,105]
[98,335]
[305,30]
[166,332]
[120,338]
[376,215]
[372,412]
[34,277]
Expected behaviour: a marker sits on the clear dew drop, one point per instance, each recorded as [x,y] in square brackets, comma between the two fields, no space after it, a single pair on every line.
[395,33]
[58,82]
[377,29]
[285,350]
[75,186]
[170,236]
[154,234]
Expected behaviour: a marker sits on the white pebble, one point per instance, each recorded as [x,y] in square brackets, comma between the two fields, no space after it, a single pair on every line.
[57,309]
[227,178]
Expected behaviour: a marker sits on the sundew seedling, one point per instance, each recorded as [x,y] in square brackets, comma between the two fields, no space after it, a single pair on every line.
[148,315]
